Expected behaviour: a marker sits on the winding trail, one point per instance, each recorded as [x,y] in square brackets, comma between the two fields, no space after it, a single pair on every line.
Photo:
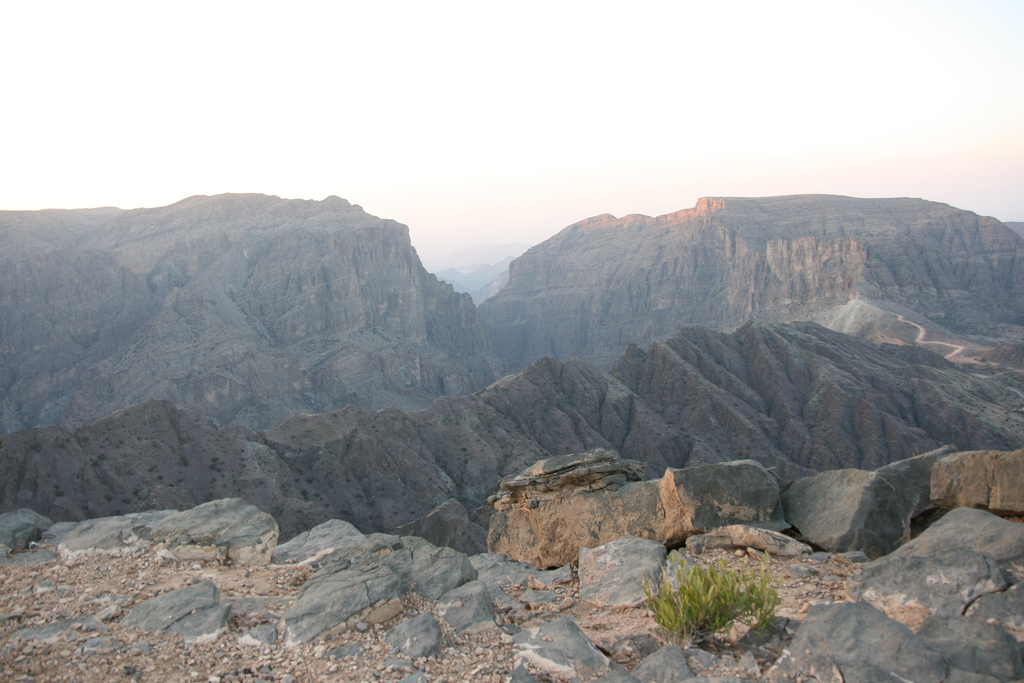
[957,349]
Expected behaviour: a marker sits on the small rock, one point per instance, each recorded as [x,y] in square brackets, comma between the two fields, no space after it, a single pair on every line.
[416,637]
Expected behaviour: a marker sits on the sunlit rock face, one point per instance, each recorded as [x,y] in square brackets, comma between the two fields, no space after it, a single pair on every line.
[247,308]
[854,265]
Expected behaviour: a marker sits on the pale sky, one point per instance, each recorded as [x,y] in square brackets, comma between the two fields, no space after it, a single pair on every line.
[477,122]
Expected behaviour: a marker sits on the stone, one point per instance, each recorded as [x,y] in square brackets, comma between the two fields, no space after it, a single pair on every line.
[428,570]
[991,480]
[419,636]
[227,529]
[55,534]
[264,635]
[448,526]
[545,518]
[1005,608]
[616,675]
[318,542]
[521,675]
[941,583]
[916,473]
[60,631]
[844,510]
[667,665]
[113,535]
[30,559]
[613,574]
[343,591]
[497,571]
[193,612]
[537,599]
[416,677]
[853,641]
[18,528]
[561,649]
[351,650]
[101,645]
[974,646]
[742,536]
[468,608]
[978,530]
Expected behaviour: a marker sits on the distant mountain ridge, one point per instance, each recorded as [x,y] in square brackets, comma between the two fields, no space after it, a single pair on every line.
[854,265]
[247,308]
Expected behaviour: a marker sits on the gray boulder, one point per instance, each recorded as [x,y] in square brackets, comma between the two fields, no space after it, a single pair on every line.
[448,526]
[562,650]
[344,591]
[844,510]
[972,645]
[428,570]
[1005,608]
[264,635]
[667,665]
[227,529]
[993,480]
[419,636]
[21,527]
[613,574]
[942,583]
[743,536]
[978,530]
[916,472]
[498,571]
[318,542]
[468,608]
[111,534]
[193,612]
[854,642]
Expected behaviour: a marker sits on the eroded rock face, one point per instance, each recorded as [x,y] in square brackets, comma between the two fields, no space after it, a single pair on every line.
[246,308]
[605,282]
[547,513]
[990,480]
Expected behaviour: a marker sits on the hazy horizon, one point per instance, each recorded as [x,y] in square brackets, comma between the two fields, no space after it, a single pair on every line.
[483,124]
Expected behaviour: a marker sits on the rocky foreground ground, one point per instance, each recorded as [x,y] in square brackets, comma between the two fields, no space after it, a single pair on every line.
[107,587]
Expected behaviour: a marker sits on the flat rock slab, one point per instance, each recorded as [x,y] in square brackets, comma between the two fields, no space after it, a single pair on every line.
[60,631]
[743,536]
[853,641]
[468,608]
[419,636]
[193,612]
[318,542]
[613,574]
[428,570]
[562,650]
[667,665]
[993,480]
[974,646]
[343,591]
[844,510]
[227,529]
[111,534]
[18,528]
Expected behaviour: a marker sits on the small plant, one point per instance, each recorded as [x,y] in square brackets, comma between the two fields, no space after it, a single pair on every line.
[703,601]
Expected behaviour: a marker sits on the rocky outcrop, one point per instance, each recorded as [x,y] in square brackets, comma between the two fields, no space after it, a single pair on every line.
[989,480]
[245,308]
[225,530]
[856,265]
[557,506]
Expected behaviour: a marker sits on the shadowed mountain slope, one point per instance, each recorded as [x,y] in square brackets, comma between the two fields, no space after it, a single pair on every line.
[854,265]
[247,308]
[797,397]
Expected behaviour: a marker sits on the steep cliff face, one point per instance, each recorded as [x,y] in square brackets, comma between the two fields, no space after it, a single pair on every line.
[797,397]
[247,308]
[852,264]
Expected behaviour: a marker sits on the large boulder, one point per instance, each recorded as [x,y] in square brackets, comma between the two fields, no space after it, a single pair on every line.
[992,480]
[319,541]
[428,570]
[227,529]
[448,525]
[849,510]
[547,513]
[916,472]
[21,527]
[113,535]
[946,568]
[972,645]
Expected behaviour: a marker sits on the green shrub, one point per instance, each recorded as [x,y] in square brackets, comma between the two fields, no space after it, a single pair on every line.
[707,600]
